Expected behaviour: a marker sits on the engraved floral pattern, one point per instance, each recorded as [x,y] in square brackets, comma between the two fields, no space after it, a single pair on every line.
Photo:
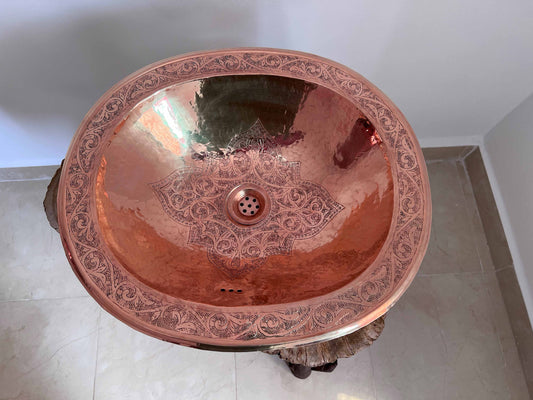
[196,198]
[182,322]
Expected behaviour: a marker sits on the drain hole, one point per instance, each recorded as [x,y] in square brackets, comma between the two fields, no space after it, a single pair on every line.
[232,290]
[249,203]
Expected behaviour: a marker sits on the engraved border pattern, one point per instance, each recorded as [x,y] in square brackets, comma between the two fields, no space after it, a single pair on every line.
[183,322]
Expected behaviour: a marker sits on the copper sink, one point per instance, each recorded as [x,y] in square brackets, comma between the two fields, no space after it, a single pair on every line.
[245,199]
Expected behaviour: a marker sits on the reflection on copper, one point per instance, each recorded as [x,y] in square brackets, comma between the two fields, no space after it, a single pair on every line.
[271,185]
[152,122]
[227,106]
[362,137]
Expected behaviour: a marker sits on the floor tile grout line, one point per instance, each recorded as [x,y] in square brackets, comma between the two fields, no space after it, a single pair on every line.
[234,373]
[46,178]
[492,300]
[494,327]
[442,335]
[469,208]
[373,374]
[508,266]
[96,355]
[466,273]
[478,215]
[87,296]
[443,160]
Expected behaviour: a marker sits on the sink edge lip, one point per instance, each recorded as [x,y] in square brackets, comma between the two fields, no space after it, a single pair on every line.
[379,307]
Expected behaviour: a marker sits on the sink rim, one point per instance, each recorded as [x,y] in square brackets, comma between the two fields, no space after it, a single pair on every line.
[330,315]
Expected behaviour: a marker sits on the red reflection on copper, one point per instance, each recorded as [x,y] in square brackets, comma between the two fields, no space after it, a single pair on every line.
[362,137]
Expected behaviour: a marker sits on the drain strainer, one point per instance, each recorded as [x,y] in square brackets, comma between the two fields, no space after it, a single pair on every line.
[247,204]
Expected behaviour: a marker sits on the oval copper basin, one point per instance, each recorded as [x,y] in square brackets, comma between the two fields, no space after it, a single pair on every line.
[245,199]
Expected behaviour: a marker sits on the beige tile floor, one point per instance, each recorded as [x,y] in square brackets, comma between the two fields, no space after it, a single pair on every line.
[447,338]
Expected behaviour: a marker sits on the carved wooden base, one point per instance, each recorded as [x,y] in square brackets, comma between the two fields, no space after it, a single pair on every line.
[323,356]
[302,360]
[50,199]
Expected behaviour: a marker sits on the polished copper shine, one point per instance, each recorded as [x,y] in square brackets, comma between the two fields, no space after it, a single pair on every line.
[244,199]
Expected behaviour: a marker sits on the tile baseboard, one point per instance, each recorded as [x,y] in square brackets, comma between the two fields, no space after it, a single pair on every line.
[447,153]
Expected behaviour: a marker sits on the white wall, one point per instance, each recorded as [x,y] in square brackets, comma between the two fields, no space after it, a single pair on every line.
[509,158]
[454,67]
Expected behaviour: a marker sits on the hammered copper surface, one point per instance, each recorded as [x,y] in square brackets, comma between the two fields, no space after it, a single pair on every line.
[181,241]
[245,198]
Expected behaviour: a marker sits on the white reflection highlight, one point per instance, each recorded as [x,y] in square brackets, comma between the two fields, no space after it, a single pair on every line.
[344,396]
[164,109]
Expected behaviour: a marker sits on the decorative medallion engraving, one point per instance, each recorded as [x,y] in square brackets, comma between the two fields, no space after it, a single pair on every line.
[197,198]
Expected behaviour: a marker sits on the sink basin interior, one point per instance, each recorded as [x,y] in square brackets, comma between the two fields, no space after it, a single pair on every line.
[165,179]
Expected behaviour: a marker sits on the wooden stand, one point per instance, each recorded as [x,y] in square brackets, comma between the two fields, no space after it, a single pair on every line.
[301,360]
[323,356]
[50,199]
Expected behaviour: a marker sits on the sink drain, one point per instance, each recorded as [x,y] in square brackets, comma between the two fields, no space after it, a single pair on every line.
[247,204]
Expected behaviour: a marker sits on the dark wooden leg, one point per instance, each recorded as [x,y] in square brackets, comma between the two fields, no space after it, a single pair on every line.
[302,372]
[329,367]
[298,370]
